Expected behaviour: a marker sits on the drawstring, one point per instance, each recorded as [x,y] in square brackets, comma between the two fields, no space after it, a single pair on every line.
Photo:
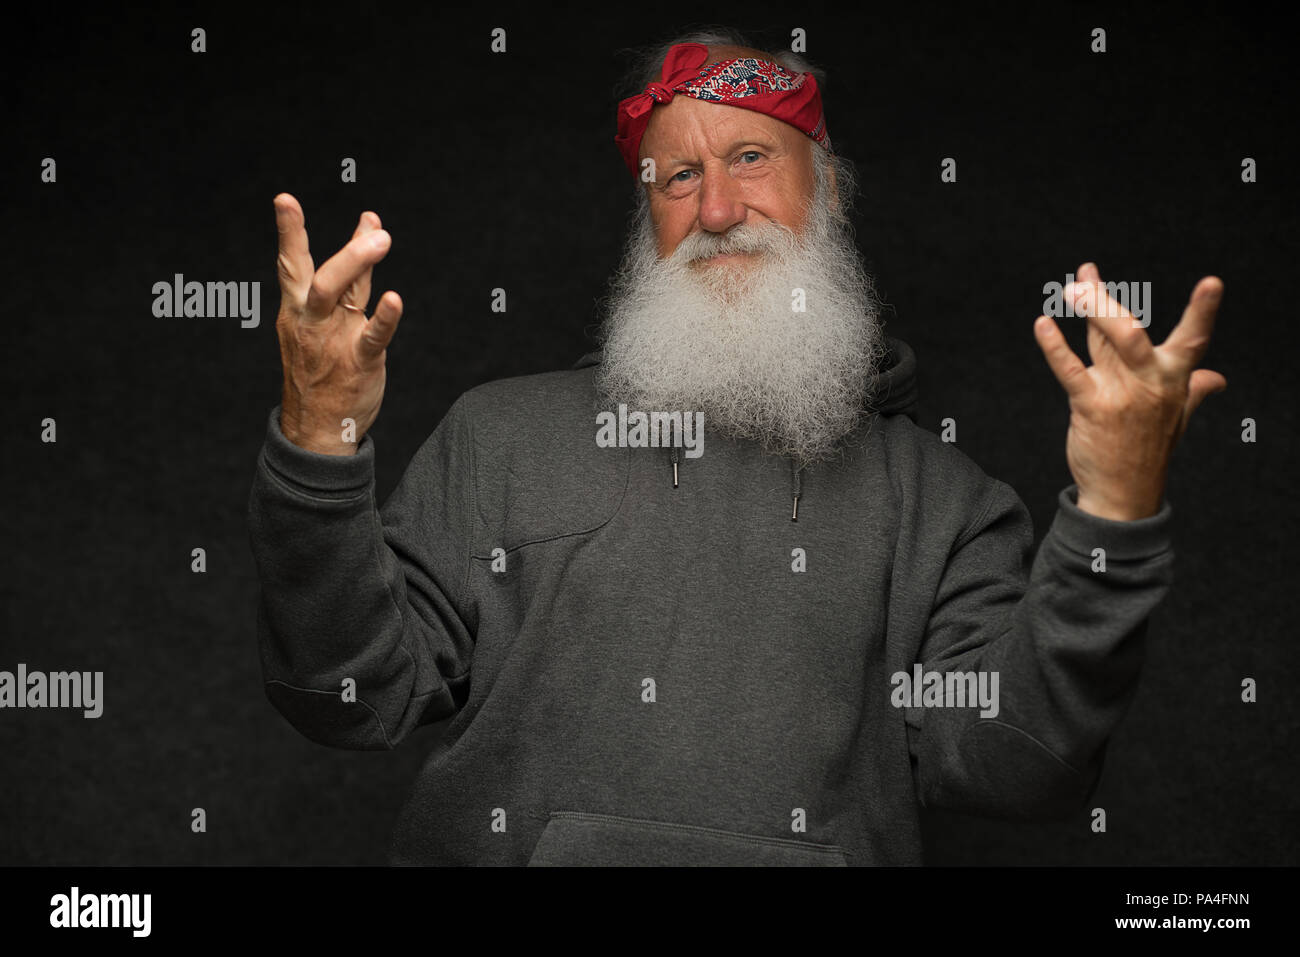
[796,482]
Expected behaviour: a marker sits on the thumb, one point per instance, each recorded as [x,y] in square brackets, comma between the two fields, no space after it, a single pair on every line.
[1202,383]
[1070,372]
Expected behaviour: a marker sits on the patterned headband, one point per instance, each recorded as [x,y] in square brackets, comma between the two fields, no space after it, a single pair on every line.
[747,82]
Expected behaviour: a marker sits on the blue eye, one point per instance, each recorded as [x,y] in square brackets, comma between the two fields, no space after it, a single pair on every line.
[750,153]
[684,172]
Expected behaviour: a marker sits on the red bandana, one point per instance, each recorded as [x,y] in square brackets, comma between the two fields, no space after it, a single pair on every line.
[747,82]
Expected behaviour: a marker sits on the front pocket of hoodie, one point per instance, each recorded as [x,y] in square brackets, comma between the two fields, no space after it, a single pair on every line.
[577,838]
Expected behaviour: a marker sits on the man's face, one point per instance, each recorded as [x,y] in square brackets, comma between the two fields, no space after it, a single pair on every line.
[741,293]
[718,166]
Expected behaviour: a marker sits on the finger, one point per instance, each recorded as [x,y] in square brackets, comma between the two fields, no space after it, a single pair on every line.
[1065,365]
[358,294]
[379,329]
[1117,324]
[344,268]
[1191,337]
[1097,344]
[294,263]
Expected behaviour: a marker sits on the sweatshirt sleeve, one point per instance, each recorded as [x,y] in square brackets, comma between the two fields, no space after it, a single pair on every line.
[364,624]
[1065,639]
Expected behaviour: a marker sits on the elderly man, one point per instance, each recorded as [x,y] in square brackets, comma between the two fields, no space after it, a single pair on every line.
[764,642]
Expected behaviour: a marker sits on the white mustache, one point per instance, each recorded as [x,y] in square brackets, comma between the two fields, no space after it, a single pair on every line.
[742,238]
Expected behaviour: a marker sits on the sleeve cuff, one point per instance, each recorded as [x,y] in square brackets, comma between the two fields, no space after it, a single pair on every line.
[1081,531]
[314,471]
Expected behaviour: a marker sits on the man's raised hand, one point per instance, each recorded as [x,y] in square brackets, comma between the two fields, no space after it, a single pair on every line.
[1130,407]
[333,356]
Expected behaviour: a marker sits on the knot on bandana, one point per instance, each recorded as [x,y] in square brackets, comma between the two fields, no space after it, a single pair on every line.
[661,93]
[746,82]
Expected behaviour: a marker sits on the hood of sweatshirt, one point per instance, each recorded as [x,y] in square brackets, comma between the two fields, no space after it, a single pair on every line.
[892,392]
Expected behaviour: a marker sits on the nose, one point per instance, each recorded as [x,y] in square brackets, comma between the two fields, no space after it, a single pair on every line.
[720,201]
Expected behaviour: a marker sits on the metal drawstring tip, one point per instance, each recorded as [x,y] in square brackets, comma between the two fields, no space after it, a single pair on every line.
[794,515]
[674,475]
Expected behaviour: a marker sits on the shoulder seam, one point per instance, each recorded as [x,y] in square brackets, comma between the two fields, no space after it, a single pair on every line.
[972,527]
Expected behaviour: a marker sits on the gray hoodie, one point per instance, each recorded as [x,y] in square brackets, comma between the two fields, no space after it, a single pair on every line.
[640,671]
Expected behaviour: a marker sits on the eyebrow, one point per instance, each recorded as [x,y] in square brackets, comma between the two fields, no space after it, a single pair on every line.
[731,148]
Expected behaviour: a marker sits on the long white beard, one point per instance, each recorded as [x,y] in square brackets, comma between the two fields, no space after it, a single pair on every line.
[725,339]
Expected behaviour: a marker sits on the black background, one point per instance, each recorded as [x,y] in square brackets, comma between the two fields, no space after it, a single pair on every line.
[500,170]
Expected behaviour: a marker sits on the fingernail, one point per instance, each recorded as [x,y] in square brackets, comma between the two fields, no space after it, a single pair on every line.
[379,239]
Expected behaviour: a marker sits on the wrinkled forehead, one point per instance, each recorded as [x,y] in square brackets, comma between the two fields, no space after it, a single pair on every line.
[680,129]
